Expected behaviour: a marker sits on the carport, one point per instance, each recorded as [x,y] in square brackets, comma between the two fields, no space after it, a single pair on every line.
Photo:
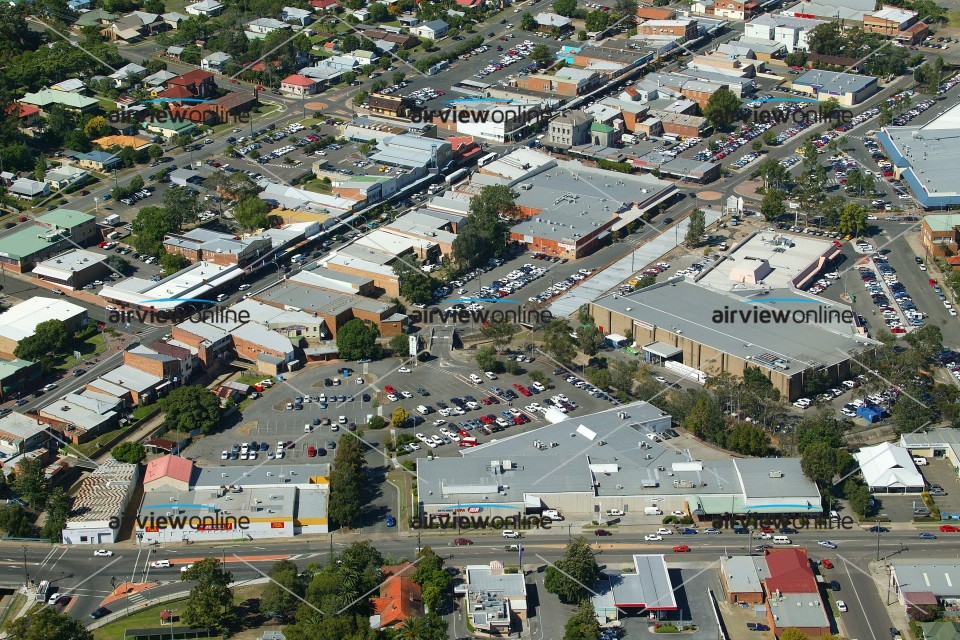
[648,588]
[660,352]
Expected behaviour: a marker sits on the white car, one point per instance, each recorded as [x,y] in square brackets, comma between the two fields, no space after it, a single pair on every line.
[186,568]
[490,374]
[663,531]
[437,423]
[103,553]
[393,398]
[420,437]
[842,606]
[404,370]
[679,514]
[406,394]
[652,537]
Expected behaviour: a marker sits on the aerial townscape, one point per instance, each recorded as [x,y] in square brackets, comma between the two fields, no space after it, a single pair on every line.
[463,319]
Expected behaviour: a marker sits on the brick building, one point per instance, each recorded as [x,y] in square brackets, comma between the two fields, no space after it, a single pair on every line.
[219,248]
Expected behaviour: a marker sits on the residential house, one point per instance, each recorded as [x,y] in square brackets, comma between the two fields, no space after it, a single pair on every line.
[25,188]
[197,83]
[94,18]
[98,161]
[548,20]
[433,29]
[215,61]
[27,114]
[134,26]
[127,75]
[400,598]
[65,176]
[45,99]
[73,85]
[363,57]
[174,51]
[401,40]
[297,85]
[300,16]
[173,19]
[259,28]
[209,8]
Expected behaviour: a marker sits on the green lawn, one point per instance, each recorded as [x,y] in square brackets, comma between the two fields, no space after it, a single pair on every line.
[143,619]
[254,378]
[88,348]
[317,186]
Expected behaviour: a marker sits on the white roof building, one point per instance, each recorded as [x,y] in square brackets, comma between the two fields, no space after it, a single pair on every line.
[888,468]
[100,502]
[21,320]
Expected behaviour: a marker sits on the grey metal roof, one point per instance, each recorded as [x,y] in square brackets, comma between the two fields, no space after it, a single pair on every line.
[649,585]
[271,474]
[834,82]
[940,576]
[744,574]
[799,610]
[678,305]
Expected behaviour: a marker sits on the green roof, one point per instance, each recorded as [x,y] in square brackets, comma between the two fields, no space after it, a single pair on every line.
[46,97]
[93,18]
[365,178]
[24,243]
[600,127]
[943,630]
[942,221]
[11,367]
[177,127]
[66,218]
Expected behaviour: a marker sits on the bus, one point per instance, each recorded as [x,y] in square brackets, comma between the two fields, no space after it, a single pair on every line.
[487,159]
[456,175]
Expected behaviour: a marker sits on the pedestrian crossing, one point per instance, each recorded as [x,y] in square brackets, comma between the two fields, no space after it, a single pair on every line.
[136,598]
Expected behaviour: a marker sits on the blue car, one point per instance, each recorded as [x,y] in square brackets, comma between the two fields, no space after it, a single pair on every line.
[391,521]
[687,531]
[928,536]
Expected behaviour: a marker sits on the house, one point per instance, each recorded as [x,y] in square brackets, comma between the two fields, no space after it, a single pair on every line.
[259,28]
[300,16]
[73,85]
[174,52]
[27,114]
[215,61]
[173,19]
[134,26]
[209,8]
[325,5]
[889,468]
[26,188]
[401,40]
[63,177]
[197,84]
[45,99]
[549,20]
[400,598]
[94,18]
[98,161]
[568,130]
[363,57]
[127,75]
[78,5]
[20,434]
[342,64]
[433,30]
[297,85]
[732,9]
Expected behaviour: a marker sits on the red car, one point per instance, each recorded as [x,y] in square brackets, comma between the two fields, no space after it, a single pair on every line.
[487,419]
[524,392]
[932,282]
[826,564]
[602,532]
[311,451]
[461,542]
[681,548]
[949,528]
[517,386]
[389,389]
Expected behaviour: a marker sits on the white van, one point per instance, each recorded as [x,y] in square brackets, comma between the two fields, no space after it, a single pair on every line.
[552,514]
[652,511]
[782,540]
[920,462]
[423,410]
[476,379]
[160,564]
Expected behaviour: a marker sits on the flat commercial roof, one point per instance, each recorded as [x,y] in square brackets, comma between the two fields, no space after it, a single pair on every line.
[940,576]
[102,495]
[689,309]
[316,300]
[929,156]
[21,320]
[834,82]
[744,574]
[799,610]
[265,475]
[566,456]
[787,254]
[648,587]
[64,265]
[196,281]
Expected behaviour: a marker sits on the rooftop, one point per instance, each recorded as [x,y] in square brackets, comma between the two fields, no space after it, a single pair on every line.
[196,281]
[130,378]
[21,320]
[69,262]
[103,493]
[834,82]
[683,307]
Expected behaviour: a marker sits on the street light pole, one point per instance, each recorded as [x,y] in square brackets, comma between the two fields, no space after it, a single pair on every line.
[26,576]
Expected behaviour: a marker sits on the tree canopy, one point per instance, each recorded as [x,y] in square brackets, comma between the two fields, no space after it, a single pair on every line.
[131,452]
[191,407]
[572,575]
[357,340]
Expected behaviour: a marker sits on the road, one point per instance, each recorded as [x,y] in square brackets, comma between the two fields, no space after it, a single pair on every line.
[74,570]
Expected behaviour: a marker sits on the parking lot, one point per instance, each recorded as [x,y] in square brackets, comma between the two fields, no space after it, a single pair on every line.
[939,471]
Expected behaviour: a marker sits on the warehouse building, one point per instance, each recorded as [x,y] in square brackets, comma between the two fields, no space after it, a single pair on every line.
[589,464]
[184,502]
[927,158]
[888,468]
[925,583]
[848,89]
[73,269]
[697,331]
[51,234]
[21,320]
[101,501]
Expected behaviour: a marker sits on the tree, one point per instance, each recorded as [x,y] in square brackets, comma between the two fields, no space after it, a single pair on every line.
[210,603]
[821,462]
[120,265]
[149,228]
[13,520]
[557,341]
[757,144]
[130,452]
[171,263]
[376,423]
[722,108]
[378,12]
[46,623]
[769,137]
[853,219]
[858,495]
[541,54]
[399,345]
[598,20]
[39,169]
[357,340]
[281,595]
[772,205]
[527,22]
[748,439]
[58,510]
[572,576]
[487,359]
[500,332]
[251,213]
[590,339]
[416,285]
[399,417]
[349,43]
[485,236]
[347,482]
[626,7]
[398,77]
[793,634]
[31,483]
[695,229]
[50,338]
[705,419]
[644,282]
[582,625]
[96,127]
[821,427]
[191,407]
[565,8]
[181,205]
[927,340]
[427,627]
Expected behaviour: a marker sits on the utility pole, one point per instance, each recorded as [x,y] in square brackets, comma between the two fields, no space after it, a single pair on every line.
[26,576]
